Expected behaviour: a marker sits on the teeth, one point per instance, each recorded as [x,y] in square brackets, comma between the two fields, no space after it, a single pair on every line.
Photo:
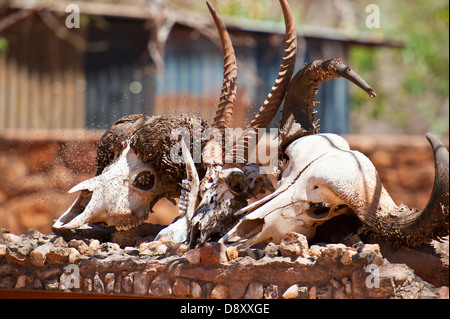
[320,205]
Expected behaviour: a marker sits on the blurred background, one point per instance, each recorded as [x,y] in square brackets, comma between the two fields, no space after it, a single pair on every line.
[63,83]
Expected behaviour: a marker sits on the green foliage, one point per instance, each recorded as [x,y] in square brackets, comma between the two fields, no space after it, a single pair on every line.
[3,44]
[412,82]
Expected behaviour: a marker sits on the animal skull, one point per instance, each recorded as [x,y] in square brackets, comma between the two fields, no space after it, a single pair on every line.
[223,196]
[135,186]
[134,173]
[225,189]
[323,179]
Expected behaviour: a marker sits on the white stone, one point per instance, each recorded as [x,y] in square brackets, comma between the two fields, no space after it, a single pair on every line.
[291,292]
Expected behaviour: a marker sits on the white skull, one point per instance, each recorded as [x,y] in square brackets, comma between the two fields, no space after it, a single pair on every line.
[120,196]
[317,184]
[323,179]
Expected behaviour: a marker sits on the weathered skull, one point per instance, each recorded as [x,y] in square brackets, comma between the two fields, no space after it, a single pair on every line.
[323,179]
[135,171]
[227,188]
[119,197]
[134,162]
[224,195]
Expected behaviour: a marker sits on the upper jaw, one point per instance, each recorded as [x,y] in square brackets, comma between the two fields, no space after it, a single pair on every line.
[121,196]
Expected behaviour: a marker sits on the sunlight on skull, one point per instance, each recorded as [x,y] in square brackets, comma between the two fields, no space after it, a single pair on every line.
[119,197]
[315,186]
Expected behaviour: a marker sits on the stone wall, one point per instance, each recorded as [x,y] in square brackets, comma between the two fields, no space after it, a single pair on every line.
[38,168]
[165,269]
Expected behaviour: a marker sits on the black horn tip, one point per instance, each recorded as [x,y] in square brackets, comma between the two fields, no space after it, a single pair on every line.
[210,7]
[435,142]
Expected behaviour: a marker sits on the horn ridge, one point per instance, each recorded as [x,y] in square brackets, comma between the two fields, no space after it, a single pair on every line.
[227,99]
[298,116]
[274,99]
[405,226]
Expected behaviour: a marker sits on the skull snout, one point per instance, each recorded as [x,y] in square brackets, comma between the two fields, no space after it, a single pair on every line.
[121,196]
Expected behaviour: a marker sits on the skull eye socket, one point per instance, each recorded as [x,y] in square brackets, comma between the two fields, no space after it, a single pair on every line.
[237,183]
[144,181]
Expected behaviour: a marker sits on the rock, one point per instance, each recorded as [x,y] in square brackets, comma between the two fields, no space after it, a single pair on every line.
[58,256]
[323,292]
[255,290]
[94,244]
[181,287]
[81,246]
[37,284]
[6,282]
[291,292]
[2,250]
[271,292]
[39,254]
[303,292]
[346,259]
[293,245]
[196,290]
[18,252]
[443,292]
[193,256]
[347,285]
[68,280]
[87,285]
[97,284]
[252,253]
[400,274]
[232,253]
[238,289]
[430,262]
[117,284]
[312,294]
[335,284]
[131,251]
[212,253]
[50,272]
[59,242]
[21,282]
[141,282]
[11,238]
[52,284]
[153,248]
[160,286]
[178,249]
[74,254]
[34,234]
[127,283]
[340,293]
[220,291]
[109,282]
[271,250]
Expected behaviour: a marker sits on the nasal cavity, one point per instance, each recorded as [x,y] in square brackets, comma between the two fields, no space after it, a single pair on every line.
[145,181]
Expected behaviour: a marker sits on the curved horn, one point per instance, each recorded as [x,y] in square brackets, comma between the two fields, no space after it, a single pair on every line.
[212,152]
[228,96]
[298,116]
[411,227]
[273,101]
[276,95]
